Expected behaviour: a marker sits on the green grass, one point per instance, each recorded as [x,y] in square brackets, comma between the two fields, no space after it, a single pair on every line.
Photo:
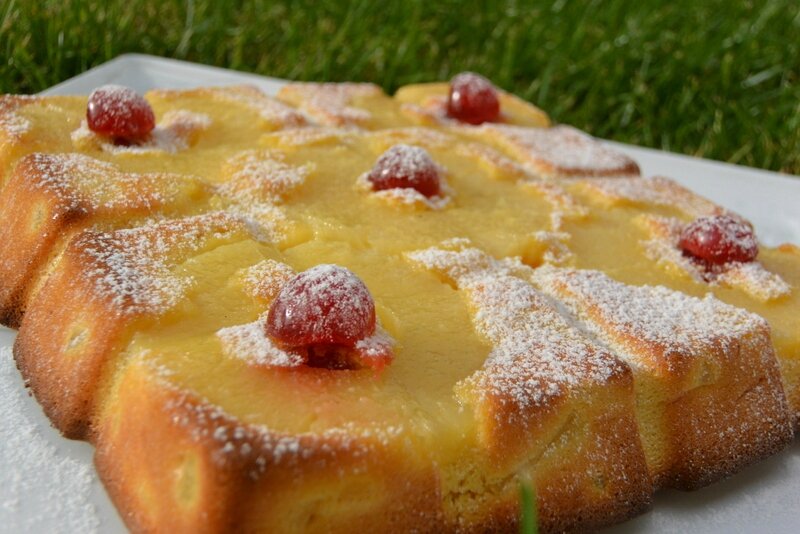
[529,521]
[718,79]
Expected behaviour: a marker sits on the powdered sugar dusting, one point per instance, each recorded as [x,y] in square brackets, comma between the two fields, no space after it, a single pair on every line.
[557,250]
[182,124]
[658,190]
[501,166]
[177,131]
[411,136]
[407,196]
[663,246]
[13,125]
[561,151]
[536,354]
[330,103]
[273,111]
[261,448]
[751,277]
[472,82]
[266,223]
[249,342]
[406,159]
[672,322]
[259,181]
[132,268]
[564,205]
[378,345]
[36,476]
[432,109]
[137,282]
[262,176]
[755,280]
[295,137]
[720,352]
[269,109]
[265,279]
[82,183]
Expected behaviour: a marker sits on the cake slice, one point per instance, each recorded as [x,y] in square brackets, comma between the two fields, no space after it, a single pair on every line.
[513,126]
[427,103]
[641,219]
[51,197]
[127,278]
[557,152]
[548,402]
[709,393]
[344,105]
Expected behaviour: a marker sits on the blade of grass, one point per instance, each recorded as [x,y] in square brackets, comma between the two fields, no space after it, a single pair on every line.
[529,521]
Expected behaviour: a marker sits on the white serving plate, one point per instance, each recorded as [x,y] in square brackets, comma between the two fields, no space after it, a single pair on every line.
[763,498]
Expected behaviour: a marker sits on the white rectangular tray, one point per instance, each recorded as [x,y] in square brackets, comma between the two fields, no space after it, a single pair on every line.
[47,483]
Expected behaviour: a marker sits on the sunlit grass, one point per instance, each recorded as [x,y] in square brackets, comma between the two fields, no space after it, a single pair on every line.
[717,79]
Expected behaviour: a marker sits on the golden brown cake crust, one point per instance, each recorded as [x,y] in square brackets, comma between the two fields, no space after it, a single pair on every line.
[51,197]
[62,349]
[712,365]
[247,478]
[250,480]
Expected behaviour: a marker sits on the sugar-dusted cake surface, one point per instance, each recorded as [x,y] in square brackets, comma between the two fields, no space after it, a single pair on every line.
[536,319]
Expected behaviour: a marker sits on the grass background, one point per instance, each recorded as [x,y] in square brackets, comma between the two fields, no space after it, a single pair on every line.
[717,79]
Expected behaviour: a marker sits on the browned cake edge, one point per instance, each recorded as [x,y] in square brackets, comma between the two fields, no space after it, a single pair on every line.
[251,479]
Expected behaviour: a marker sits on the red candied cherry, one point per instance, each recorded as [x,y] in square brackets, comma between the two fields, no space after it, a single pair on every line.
[325,305]
[403,167]
[120,112]
[719,239]
[473,99]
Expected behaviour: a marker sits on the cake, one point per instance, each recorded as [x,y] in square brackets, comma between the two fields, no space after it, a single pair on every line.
[340,308]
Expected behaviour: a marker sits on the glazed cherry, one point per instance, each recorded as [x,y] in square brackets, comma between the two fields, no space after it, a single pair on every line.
[403,167]
[473,99]
[718,240]
[325,305]
[119,112]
